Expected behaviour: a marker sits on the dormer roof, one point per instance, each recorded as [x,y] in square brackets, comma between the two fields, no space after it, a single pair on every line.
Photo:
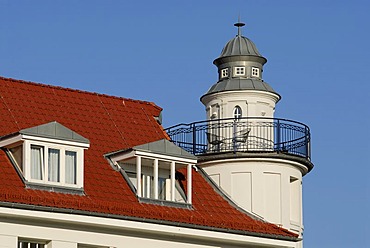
[54,130]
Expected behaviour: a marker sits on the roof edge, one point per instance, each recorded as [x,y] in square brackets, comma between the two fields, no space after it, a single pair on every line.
[79,91]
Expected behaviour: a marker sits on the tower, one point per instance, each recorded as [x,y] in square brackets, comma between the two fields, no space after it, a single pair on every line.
[256,159]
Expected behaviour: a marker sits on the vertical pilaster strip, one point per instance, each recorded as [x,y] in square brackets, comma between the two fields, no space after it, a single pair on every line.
[189,183]
[138,175]
[155,178]
[173,180]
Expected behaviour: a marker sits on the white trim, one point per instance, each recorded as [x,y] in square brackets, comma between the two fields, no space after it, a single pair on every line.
[173,180]
[224,73]
[280,162]
[155,178]
[145,229]
[255,70]
[11,140]
[122,157]
[150,155]
[189,183]
[56,141]
[241,71]
[138,176]
[166,158]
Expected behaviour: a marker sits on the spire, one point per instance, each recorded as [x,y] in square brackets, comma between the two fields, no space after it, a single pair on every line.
[239,25]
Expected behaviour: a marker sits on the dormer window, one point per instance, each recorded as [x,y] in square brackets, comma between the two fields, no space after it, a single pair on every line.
[224,72]
[239,71]
[48,155]
[54,164]
[156,171]
[255,72]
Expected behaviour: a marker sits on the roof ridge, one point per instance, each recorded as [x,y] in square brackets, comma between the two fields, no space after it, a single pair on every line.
[80,91]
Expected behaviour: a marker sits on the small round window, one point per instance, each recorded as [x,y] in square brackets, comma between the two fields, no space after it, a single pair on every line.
[237,112]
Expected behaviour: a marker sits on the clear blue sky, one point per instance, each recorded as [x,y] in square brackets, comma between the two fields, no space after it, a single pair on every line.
[162,51]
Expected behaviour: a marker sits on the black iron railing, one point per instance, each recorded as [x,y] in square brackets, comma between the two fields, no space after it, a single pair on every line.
[243,135]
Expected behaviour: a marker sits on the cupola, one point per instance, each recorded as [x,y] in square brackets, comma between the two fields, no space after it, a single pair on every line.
[240,88]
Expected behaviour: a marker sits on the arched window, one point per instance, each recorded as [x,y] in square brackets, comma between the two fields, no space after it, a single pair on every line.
[237,112]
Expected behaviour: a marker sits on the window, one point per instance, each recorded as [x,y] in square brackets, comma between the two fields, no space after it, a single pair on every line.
[49,163]
[239,71]
[37,162]
[224,73]
[156,172]
[237,112]
[48,155]
[163,185]
[255,72]
[71,167]
[54,164]
[22,244]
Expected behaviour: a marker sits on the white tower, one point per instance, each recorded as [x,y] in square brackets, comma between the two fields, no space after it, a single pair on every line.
[256,159]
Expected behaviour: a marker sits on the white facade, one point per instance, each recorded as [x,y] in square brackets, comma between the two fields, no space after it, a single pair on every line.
[58,230]
[267,187]
[252,103]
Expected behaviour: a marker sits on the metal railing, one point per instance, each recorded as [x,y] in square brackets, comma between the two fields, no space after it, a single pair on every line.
[243,135]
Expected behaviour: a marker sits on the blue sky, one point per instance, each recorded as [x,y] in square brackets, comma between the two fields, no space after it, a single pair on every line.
[162,51]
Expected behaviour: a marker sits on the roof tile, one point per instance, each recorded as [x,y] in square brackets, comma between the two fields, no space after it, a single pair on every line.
[111,124]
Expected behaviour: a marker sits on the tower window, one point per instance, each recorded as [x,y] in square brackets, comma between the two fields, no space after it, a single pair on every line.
[224,73]
[237,112]
[255,72]
[239,71]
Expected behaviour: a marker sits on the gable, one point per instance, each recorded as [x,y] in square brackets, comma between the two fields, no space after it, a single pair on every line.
[54,130]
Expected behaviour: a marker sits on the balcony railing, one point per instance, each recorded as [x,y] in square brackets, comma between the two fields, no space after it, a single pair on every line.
[243,135]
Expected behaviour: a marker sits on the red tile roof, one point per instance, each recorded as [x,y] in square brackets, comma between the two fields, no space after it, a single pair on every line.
[111,124]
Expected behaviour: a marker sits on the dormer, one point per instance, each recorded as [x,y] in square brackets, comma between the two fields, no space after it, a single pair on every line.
[49,155]
[155,172]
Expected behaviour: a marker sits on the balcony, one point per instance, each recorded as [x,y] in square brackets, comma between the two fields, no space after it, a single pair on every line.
[243,135]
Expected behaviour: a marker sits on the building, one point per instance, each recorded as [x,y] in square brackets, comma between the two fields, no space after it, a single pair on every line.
[81,169]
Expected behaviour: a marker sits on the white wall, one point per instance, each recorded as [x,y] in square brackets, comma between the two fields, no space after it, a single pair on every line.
[269,188]
[72,231]
[253,103]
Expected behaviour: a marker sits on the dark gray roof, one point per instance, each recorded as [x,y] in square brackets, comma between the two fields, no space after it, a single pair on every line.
[54,130]
[240,45]
[240,84]
[164,147]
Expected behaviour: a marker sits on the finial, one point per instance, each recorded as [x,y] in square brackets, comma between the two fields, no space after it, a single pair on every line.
[239,25]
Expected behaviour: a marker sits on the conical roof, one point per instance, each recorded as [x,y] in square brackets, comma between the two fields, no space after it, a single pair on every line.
[240,45]
[239,50]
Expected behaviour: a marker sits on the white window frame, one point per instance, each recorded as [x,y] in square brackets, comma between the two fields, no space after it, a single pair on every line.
[45,173]
[255,72]
[149,188]
[237,112]
[239,71]
[139,169]
[31,244]
[224,73]
[26,141]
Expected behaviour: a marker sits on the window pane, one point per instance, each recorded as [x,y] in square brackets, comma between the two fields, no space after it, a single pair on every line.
[71,167]
[54,165]
[237,112]
[37,162]
[161,188]
[147,186]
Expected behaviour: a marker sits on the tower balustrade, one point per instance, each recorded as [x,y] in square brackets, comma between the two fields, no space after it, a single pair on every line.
[243,135]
